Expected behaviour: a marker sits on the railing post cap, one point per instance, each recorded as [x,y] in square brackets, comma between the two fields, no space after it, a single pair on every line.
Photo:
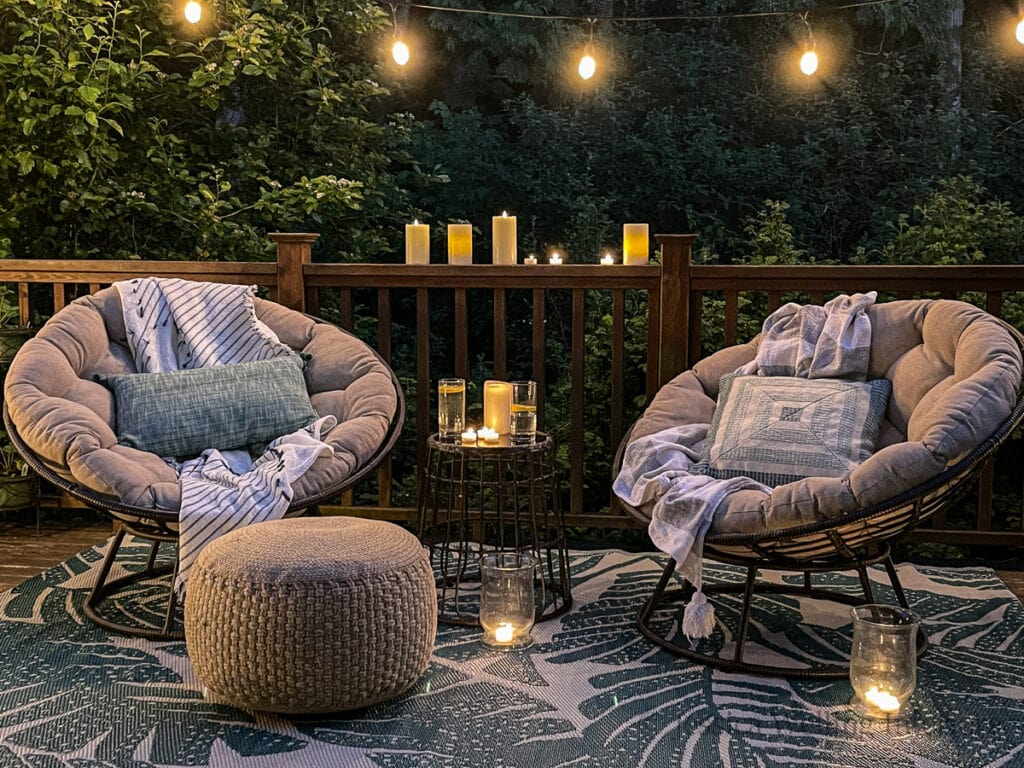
[676,238]
[293,237]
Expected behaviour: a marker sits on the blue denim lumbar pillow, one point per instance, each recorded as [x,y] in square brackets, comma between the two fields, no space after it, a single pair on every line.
[182,413]
[777,429]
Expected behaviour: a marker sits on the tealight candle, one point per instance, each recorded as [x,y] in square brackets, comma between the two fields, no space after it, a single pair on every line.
[504,633]
[503,235]
[607,260]
[635,244]
[417,243]
[883,700]
[489,436]
[530,260]
[469,437]
[555,258]
[460,243]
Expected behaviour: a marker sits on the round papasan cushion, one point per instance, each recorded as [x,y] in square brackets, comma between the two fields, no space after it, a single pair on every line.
[67,419]
[955,372]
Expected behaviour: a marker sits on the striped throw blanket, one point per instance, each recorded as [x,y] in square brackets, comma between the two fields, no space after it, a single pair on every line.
[174,324]
[829,342]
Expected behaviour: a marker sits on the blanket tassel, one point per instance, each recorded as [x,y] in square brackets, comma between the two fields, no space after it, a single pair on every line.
[698,617]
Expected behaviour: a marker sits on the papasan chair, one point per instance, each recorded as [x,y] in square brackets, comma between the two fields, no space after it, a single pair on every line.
[63,420]
[955,374]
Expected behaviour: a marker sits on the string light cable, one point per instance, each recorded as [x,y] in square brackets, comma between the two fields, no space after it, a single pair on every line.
[587,66]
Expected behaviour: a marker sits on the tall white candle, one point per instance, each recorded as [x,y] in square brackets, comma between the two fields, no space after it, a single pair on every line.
[635,244]
[417,243]
[503,233]
[498,406]
[460,243]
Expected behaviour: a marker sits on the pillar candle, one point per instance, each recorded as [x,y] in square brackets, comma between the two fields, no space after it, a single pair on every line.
[635,244]
[498,406]
[460,243]
[503,233]
[417,243]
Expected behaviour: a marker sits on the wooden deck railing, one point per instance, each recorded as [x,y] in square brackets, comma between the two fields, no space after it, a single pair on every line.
[514,304]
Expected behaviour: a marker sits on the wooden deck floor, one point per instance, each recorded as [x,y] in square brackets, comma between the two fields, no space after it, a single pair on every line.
[24,552]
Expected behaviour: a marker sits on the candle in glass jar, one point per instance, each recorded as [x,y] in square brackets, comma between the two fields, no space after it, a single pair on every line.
[460,243]
[883,700]
[635,244]
[417,243]
[503,235]
[498,406]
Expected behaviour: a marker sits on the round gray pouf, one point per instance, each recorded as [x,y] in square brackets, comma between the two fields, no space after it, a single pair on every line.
[310,615]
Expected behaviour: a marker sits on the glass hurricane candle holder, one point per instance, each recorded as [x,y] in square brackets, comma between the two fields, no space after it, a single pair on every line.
[883,660]
[507,609]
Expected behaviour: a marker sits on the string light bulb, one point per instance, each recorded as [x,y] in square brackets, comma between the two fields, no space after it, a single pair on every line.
[399,48]
[400,53]
[587,67]
[1020,31]
[809,59]
[588,64]
[193,12]
[809,63]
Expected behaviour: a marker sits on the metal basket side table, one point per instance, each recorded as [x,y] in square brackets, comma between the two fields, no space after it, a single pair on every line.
[504,498]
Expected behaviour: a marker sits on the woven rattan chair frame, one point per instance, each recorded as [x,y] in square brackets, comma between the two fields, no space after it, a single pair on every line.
[853,541]
[158,526]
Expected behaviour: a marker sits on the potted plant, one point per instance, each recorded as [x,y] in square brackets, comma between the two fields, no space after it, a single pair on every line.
[19,487]
[12,333]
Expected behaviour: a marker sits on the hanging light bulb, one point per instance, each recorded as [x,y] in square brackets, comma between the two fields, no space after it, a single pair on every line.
[588,64]
[1020,31]
[400,53]
[809,63]
[193,11]
[587,67]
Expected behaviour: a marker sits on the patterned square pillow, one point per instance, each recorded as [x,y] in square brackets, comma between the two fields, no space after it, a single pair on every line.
[777,429]
[182,413]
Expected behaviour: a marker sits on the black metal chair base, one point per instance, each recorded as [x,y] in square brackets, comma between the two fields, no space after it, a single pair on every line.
[664,596]
[105,591]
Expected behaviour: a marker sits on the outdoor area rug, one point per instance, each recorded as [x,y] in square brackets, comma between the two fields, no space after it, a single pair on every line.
[590,693]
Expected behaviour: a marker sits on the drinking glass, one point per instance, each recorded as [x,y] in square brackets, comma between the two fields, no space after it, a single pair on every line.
[524,412]
[507,608]
[451,409]
[883,660]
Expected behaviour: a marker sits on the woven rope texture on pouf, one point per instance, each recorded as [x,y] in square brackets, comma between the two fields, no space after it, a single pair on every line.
[310,614]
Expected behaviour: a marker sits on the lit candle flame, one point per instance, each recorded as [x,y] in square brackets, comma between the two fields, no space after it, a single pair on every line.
[882,700]
[504,633]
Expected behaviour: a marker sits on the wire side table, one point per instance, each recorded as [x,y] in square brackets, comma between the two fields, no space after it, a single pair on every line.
[504,498]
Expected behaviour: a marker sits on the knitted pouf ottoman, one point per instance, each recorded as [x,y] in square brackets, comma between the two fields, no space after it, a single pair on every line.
[310,615]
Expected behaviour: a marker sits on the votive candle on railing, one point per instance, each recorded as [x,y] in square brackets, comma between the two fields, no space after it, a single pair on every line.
[469,437]
[530,260]
[555,258]
[417,243]
[503,235]
[488,436]
[498,406]
[607,260]
[460,243]
[635,244]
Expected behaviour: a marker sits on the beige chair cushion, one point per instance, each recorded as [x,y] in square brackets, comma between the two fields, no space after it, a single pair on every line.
[955,373]
[68,420]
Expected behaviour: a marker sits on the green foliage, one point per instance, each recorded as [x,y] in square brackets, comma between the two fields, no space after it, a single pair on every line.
[126,135]
[956,225]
